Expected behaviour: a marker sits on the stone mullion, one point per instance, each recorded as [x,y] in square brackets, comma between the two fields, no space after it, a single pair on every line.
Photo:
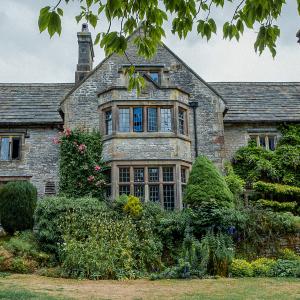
[146,184]
[145,118]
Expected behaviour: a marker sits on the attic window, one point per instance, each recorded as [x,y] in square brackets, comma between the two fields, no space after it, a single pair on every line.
[154,76]
[50,188]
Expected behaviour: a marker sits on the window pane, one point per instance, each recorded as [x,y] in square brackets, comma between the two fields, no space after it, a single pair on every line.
[138,119]
[169,200]
[16,147]
[124,175]
[154,76]
[138,174]
[4,154]
[181,118]
[108,122]
[139,191]
[262,141]
[168,174]
[183,175]
[124,190]
[272,143]
[165,120]
[154,193]
[124,119]
[153,174]
[152,119]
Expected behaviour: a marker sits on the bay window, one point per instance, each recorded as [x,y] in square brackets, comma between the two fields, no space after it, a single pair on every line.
[181,121]
[108,122]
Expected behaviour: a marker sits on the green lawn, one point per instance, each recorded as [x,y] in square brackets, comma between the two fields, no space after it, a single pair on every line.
[25,287]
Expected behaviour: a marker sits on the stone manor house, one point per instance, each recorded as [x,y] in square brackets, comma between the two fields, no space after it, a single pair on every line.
[149,140]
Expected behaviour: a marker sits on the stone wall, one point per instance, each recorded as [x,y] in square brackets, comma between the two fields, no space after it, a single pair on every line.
[39,158]
[81,105]
[238,134]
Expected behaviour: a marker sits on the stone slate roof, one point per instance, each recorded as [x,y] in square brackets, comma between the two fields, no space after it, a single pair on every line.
[36,103]
[260,101]
[31,103]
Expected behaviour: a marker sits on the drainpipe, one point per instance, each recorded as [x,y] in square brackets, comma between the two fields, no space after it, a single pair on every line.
[194,105]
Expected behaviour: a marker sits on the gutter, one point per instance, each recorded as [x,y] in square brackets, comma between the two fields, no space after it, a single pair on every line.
[194,105]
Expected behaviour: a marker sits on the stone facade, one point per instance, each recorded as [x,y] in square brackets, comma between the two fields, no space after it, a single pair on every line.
[39,158]
[219,118]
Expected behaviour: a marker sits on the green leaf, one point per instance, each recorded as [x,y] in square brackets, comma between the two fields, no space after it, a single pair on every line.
[44,18]
[54,25]
[60,12]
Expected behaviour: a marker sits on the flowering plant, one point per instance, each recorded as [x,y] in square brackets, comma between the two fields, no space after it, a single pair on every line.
[81,166]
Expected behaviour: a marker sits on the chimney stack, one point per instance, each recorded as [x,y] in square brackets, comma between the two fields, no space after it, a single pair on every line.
[85,53]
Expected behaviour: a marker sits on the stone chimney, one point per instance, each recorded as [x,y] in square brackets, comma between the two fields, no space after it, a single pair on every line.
[85,53]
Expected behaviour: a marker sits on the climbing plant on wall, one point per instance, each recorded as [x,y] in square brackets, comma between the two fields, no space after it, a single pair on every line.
[81,168]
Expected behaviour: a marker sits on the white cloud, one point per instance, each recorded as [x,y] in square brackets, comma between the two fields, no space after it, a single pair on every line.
[28,56]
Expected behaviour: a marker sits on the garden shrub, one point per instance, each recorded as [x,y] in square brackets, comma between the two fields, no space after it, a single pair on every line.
[21,254]
[110,248]
[285,268]
[234,182]
[262,267]
[277,189]
[288,254]
[51,213]
[206,184]
[133,207]
[17,201]
[278,206]
[217,252]
[81,168]
[240,268]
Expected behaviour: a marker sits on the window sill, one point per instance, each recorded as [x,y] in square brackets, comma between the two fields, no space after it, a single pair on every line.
[145,135]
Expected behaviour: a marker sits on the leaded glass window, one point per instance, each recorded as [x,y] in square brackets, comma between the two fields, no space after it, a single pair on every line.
[165,120]
[153,174]
[139,191]
[108,122]
[152,119]
[124,190]
[138,119]
[169,196]
[181,120]
[138,174]
[154,193]
[10,148]
[168,174]
[124,119]
[124,174]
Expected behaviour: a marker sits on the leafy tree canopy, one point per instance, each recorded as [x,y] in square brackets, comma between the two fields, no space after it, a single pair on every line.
[150,16]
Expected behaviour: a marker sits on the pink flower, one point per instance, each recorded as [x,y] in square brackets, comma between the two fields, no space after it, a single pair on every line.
[82,148]
[91,178]
[97,168]
[68,132]
[56,140]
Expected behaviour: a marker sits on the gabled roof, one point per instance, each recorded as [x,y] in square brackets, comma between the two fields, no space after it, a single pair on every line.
[77,85]
[31,103]
[260,101]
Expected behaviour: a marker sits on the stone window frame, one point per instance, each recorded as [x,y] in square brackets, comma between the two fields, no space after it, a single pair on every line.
[133,183]
[115,106]
[182,127]
[11,136]
[265,136]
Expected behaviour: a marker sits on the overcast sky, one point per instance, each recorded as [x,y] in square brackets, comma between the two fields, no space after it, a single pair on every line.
[28,56]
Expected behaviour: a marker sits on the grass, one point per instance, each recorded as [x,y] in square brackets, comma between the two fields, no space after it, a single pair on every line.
[45,288]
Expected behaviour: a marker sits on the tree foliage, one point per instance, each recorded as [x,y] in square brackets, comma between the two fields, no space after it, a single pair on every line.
[150,16]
